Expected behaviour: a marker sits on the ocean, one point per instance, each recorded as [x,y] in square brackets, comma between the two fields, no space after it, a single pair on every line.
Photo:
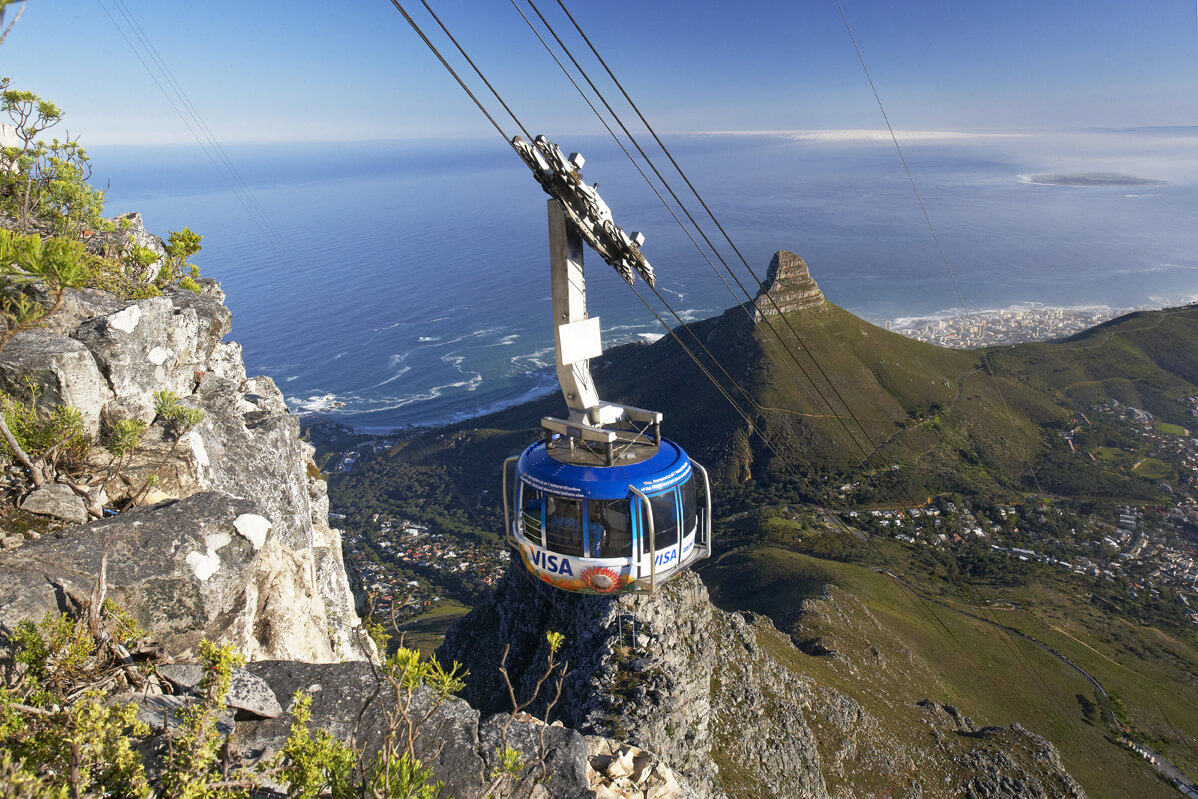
[389,284]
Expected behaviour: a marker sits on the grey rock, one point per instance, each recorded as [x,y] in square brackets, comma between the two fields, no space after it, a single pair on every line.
[226,453]
[641,671]
[161,711]
[557,751]
[790,287]
[58,501]
[351,703]
[247,691]
[63,371]
[77,307]
[184,571]
[129,345]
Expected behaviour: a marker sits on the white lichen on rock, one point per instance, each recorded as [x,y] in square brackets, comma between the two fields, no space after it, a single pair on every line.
[126,319]
[253,527]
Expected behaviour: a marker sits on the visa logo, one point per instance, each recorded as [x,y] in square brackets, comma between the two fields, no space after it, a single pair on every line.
[551,563]
[665,558]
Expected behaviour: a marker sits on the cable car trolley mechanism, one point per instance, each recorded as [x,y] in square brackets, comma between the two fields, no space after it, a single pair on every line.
[602,503]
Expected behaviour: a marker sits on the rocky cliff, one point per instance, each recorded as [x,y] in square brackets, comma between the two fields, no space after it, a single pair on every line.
[666,672]
[230,539]
[790,287]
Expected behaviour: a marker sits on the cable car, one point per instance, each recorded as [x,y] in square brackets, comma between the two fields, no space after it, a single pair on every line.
[602,503]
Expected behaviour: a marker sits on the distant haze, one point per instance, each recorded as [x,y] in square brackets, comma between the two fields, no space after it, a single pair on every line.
[271,71]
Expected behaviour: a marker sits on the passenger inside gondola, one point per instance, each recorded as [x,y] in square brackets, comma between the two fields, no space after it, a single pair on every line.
[563,525]
[610,531]
[531,514]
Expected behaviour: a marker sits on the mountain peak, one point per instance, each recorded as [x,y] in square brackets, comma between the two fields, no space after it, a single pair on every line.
[789,284]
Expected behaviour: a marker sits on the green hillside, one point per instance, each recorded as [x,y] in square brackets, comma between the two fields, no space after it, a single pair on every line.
[924,419]
[887,647]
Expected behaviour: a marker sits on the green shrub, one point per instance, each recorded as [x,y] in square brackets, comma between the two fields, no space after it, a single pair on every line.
[40,433]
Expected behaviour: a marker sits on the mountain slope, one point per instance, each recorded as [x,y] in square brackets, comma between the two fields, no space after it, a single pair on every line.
[902,418]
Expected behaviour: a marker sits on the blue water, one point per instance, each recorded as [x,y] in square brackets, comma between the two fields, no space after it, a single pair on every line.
[409,280]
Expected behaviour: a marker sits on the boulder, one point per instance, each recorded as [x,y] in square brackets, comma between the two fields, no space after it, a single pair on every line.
[185,571]
[353,703]
[61,370]
[248,692]
[57,501]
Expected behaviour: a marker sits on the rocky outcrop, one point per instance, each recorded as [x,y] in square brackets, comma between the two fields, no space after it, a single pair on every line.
[666,672]
[725,699]
[208,566]
[128,232]
[182,565]
[788,286]
[354,703]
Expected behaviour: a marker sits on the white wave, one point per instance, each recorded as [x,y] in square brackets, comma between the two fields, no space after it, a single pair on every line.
[392,378]
[536,392]
[397,359]
[427,339]
[289,378]
[533,360]
[318,402]
[470,385]
[433,393]
[651,337]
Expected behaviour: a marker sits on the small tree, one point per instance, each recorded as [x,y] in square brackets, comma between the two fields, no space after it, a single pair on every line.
[24,260]
[181,245]
[30,115]
[45,181]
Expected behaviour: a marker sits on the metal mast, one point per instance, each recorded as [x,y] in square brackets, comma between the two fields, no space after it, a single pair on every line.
[576,214]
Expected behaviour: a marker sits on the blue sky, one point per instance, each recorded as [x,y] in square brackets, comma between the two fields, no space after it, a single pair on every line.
[261,70]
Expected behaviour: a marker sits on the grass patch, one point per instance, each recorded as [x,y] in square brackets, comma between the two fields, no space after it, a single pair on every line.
[1172,429]
[426,631]
[1110,454]
[1153,469]
[769,581]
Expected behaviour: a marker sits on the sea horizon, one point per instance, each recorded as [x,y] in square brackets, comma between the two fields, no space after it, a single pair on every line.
[408,281]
